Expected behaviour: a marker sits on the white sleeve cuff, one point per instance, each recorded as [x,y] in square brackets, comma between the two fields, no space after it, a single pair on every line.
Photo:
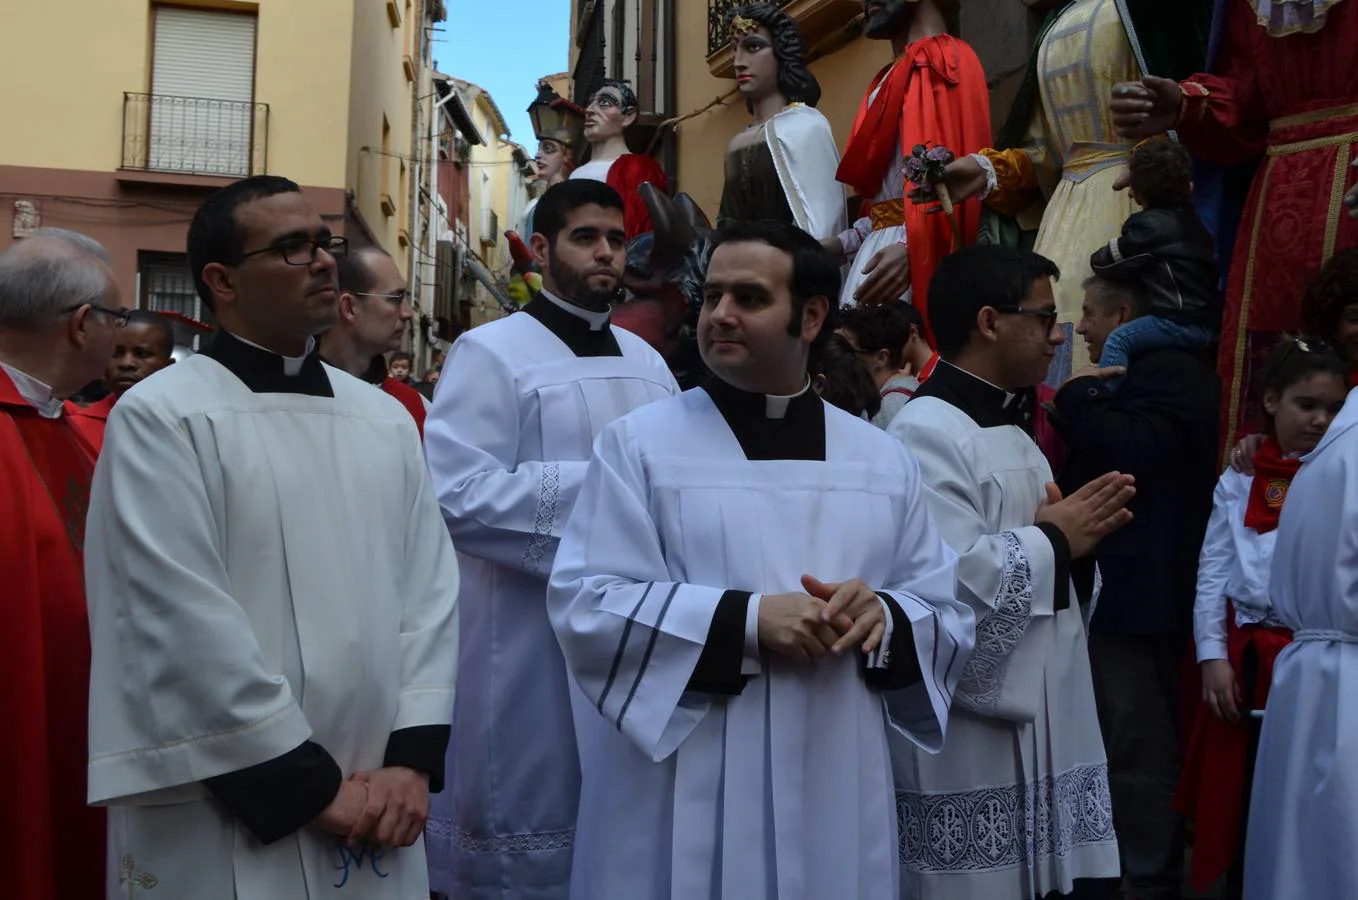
[1209,650]
[749,663]
[881,657]
[989,167]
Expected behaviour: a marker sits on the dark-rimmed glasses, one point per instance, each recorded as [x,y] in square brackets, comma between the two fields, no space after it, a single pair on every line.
[301,251]
[120,316]
[1049,316]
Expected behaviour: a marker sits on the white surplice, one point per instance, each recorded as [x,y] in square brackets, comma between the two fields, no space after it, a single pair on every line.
[508,441]
[1303,822]
[262,569]
[1017,804]
[784,790]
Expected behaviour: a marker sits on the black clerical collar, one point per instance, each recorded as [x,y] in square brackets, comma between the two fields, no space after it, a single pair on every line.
[989,406]
[585,332]
[266,372]
[769,426]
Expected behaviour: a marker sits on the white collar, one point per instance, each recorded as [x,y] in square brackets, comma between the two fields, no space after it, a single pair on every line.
[775,405]
[291,364]
[1008,395]
[596,320]
[36,393]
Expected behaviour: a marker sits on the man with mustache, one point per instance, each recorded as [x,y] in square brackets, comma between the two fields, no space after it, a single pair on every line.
[751,595]
[374,311]
[507,450]
[145,345]
[934,92]
[272,594]
[611,111]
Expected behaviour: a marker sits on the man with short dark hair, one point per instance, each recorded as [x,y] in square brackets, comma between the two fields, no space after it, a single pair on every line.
[1016,806]
[743,660]
[1160,426]
[272,594]
[145,345]
[507,450]
[374,311]
[59,317]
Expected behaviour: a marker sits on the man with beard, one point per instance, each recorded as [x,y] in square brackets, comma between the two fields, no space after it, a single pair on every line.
[933,93]
[508,453]
[374,310]
[145,346]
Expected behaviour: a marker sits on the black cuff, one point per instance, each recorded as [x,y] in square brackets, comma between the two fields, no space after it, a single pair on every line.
[902,662]
[278,797]
[1061,551]
[718,669]
[1082,573]
[420,747]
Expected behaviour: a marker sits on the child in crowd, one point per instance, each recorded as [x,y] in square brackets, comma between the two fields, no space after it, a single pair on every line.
[841,379]
[1169,251]
[1238,639]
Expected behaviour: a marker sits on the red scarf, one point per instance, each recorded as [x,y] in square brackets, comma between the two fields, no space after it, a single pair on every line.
[1272,477]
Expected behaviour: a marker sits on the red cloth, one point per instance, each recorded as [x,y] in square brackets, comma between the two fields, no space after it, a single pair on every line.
[628,173]
[1293,217]
[410,399]
[55,840]
[936,94]
[1272,477]
[1216,771]
[91,420]
[928,369]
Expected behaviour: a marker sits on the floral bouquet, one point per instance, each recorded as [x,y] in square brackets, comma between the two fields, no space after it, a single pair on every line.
[927,169]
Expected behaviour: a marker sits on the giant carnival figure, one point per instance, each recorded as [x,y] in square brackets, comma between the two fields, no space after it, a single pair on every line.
[1059,155]
[933,92]
[1283,92]
[611,111]
[782,166]
[559,126]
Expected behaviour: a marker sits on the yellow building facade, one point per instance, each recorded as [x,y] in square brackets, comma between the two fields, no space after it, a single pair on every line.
[131,112]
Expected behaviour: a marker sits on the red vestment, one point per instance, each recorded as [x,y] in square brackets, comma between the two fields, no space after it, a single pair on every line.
[625,176]
[55,840]
[943,99]
[1293,100]
[91,420]
[410,399]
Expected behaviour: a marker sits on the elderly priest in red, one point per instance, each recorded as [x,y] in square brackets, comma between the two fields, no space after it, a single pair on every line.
[59,313]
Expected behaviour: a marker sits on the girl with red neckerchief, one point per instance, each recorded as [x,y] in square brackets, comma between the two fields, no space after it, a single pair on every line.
[1238,639]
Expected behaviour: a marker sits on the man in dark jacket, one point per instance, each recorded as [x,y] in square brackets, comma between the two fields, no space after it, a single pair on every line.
[1161,427]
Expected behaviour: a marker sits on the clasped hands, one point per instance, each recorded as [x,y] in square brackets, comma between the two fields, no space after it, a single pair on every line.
[385,807]
[827,619]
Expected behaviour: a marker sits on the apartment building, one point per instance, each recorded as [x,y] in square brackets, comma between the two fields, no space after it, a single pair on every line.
[123,115]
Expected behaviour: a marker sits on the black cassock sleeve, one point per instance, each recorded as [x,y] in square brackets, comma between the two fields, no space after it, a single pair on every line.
[718,668]
[280,796]
[900,664]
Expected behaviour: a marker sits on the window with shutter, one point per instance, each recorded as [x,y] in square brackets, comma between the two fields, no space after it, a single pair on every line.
[202,92]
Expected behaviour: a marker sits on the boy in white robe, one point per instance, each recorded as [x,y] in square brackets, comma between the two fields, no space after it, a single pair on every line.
[507,441]
[1016,806]
[272,596]
[1303,821]
[749,583]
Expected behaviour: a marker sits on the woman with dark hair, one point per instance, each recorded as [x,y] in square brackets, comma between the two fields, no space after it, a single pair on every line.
[782,167]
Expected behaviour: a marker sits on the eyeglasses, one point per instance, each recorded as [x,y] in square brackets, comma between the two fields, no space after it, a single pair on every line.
[120,316]
[397,300]
[301,251]
[1048,316]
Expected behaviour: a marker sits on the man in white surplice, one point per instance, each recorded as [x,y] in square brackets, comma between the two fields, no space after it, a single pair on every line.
[1303,822]
[272,596]
[1016,806]
[734,740]
[507,440]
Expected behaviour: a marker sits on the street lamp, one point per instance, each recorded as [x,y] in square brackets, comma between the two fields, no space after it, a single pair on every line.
[557,119]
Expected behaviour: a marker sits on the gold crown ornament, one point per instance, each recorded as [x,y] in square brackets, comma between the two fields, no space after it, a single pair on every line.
[741,26]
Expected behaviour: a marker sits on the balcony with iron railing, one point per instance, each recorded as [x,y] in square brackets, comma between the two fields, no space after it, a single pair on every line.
[826,25]
[194,136]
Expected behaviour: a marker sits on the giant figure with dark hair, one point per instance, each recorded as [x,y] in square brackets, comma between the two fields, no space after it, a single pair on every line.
[781,168]
[611,112]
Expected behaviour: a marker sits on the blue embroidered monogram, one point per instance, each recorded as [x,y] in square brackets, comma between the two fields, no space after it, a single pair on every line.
[355,859]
